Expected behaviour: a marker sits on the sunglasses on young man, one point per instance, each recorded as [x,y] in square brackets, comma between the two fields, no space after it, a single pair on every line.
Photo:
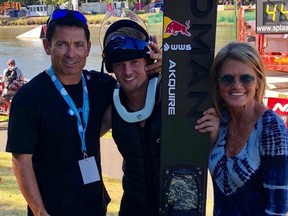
[62,13]
[125,43]
[228,80]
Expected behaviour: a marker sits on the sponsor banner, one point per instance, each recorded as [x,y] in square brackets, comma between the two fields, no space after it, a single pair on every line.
[271,16]
[280,106]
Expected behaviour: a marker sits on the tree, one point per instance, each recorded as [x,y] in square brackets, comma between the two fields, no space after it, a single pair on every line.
[53,2]
[22,2]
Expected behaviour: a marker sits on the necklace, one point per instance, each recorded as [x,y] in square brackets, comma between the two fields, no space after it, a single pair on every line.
[232,135]
[236,134]
[232,143]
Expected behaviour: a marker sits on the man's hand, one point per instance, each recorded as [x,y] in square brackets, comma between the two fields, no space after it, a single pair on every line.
[16,85]
[156,54]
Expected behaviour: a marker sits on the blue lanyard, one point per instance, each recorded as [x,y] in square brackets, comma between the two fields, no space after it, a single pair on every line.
[85,112]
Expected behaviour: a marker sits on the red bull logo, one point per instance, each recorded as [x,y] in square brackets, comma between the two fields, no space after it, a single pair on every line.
[173,27]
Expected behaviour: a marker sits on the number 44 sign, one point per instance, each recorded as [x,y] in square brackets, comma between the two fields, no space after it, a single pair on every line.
[272,16]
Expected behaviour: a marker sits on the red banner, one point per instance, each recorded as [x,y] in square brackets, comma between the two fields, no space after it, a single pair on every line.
[280,106]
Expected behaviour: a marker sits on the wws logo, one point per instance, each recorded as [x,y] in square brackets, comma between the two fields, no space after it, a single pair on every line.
[177,47]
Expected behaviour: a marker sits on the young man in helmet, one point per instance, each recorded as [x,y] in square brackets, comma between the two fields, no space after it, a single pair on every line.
[136,114]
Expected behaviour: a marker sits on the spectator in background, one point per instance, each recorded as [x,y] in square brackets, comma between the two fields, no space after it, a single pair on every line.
[10,74]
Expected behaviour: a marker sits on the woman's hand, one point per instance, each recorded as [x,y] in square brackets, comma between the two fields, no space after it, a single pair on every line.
[156,54]
[209,123]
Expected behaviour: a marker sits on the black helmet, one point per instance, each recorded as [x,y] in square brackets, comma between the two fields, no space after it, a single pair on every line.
[125,39]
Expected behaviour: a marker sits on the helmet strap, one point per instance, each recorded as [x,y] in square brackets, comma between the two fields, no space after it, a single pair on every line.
[142,114]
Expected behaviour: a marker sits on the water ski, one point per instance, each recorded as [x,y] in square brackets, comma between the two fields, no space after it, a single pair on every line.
[188,51]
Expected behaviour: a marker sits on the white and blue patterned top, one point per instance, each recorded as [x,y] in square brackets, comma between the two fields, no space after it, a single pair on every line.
[254,182]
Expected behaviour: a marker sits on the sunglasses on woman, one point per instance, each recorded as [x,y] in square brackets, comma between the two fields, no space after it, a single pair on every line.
[245,79]
[59,14]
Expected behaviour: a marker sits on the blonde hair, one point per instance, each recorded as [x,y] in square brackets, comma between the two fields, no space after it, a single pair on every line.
[242,52]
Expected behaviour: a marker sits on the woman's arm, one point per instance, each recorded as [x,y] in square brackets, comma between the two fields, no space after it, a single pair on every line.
[209,123]
[274,163]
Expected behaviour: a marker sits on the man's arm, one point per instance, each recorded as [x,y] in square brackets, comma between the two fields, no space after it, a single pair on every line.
[106,121]
[24,173]
[4,78]
[21,76]
[4,72]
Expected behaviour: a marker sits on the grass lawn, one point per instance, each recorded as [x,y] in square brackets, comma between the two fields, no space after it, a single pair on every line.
[13,204]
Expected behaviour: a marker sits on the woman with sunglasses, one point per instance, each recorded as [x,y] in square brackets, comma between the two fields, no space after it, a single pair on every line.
[249,161]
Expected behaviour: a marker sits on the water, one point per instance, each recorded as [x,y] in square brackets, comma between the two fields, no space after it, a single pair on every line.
[31,58]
